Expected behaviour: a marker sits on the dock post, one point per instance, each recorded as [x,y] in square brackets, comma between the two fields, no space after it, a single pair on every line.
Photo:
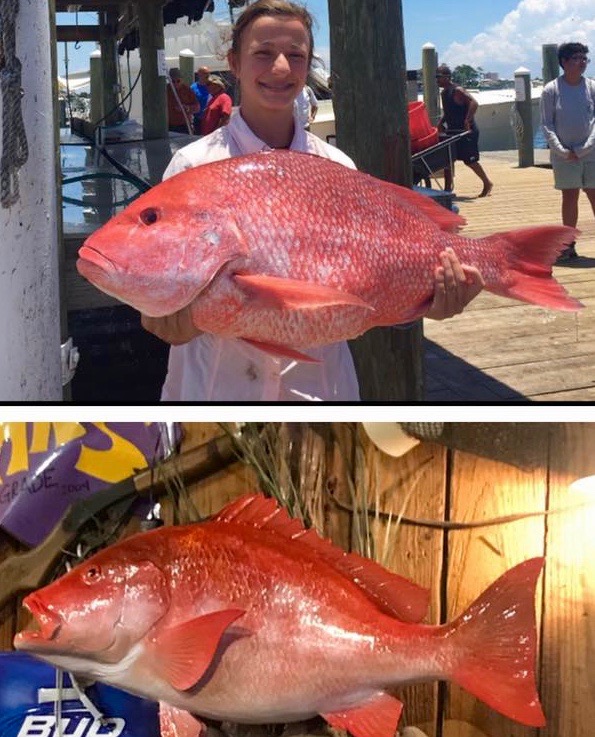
[153,68]
[187,65]
[429,64]
[30,364]
[551,67]
[367,45]
[524,117]
[108,22]
[96,86]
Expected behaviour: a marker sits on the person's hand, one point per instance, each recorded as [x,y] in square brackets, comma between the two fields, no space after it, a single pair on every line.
[455,286]
[175,329]
[571,156]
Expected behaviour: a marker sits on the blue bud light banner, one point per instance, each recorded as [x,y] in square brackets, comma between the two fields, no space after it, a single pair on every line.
[29,705]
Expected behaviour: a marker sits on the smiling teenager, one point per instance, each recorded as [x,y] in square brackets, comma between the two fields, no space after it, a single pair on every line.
[271,52]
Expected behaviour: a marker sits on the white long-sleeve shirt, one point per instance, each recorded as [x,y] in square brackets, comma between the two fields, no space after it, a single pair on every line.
[211,368]
[568,118]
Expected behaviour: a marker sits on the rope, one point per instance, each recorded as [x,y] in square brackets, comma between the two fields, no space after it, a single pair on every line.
[14,142]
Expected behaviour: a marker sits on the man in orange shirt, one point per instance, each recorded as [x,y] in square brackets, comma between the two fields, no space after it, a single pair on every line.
[181,103]
[219,107]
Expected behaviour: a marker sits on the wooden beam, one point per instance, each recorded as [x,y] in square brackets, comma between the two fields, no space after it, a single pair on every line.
[88,6]
[77,33]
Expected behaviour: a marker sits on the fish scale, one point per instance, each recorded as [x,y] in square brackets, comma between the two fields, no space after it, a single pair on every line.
[326,252]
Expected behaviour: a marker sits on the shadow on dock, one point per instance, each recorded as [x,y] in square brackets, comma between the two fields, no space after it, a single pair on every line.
[449,378]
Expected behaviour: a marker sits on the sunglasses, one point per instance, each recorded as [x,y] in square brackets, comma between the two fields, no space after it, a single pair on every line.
[579,57]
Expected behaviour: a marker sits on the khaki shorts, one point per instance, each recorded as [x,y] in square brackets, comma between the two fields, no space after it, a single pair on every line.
[573,174]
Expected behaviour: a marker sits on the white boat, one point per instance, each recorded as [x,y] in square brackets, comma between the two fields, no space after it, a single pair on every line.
[496,118]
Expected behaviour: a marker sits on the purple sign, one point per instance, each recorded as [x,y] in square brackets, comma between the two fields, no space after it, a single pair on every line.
[46,466]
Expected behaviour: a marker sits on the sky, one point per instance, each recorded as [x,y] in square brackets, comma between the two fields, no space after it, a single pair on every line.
[499,36]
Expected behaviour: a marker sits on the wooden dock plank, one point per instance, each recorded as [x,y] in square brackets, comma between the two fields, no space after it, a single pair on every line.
[496,342]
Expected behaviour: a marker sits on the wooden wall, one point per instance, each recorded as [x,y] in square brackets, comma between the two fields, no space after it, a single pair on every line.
[433,482]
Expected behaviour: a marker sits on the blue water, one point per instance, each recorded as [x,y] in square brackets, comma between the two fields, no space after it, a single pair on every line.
[539,139]
[98,198]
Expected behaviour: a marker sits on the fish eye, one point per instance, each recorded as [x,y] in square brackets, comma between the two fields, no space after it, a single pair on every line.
[92,574]
[149,216]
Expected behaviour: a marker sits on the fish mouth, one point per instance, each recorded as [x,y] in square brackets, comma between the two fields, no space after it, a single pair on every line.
[45,629]
[92,255]
[93,265]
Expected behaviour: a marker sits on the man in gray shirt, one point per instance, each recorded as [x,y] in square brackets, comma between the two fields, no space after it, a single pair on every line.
[568,120]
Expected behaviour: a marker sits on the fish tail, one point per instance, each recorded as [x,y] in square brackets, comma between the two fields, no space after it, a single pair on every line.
[529,254]
[495,642]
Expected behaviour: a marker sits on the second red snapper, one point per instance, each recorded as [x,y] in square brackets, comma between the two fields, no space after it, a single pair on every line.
[291,250]
[252,619]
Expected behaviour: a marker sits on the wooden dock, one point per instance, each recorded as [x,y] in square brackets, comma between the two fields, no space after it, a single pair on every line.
[503,350]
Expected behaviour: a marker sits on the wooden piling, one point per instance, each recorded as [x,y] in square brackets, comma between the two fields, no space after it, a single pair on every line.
[186,62]
[429,63]
[524,116]
[551,67]
[154,72]
[372,124]
[108,22]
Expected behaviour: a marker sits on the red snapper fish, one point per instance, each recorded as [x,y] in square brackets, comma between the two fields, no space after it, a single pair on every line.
[251,618]
[288,250]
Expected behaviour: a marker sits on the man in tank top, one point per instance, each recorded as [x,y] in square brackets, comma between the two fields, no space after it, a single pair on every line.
[458,115]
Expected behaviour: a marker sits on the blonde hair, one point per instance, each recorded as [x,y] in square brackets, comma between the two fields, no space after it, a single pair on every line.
[274,8]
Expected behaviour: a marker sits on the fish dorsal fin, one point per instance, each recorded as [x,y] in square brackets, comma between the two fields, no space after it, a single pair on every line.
[392,593]
[445,219]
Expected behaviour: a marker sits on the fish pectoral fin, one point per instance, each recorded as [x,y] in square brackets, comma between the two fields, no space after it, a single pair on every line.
[378,717]
[294,294]
[178,723]
[280,351]
[186,651]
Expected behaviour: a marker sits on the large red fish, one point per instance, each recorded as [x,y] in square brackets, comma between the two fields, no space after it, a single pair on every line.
[290,250]
[250,618]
